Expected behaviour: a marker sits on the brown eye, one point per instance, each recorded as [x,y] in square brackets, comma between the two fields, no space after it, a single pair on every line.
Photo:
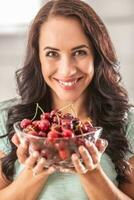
[52,54]
[80,53]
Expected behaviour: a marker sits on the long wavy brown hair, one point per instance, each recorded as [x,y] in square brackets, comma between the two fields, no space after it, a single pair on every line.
[107,101]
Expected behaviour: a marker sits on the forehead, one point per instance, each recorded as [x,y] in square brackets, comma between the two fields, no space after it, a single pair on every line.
[59,30]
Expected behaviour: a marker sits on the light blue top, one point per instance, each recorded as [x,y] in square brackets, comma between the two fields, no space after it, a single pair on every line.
[65,186]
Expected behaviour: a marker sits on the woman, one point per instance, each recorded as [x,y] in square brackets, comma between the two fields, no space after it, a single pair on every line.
[70,59]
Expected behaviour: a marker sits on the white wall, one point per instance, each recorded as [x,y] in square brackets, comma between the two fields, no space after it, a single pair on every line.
[119,18]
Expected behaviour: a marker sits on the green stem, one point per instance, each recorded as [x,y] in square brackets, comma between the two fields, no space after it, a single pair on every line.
[35,112]
[40,108]
[64,107]
[73,111]
[37,107]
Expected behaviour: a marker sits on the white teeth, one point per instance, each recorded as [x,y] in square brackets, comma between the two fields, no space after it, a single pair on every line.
[67,83]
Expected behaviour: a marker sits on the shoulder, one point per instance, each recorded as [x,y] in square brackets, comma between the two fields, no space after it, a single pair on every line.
[5,105]
[130,130]
[131,114]
[130,118]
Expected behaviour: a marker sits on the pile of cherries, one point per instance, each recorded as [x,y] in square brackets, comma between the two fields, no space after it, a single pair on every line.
[56,135]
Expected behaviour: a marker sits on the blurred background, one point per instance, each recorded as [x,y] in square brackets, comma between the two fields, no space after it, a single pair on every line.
[15,19]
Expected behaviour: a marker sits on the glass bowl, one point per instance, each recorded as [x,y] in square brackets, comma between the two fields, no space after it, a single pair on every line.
[59,150]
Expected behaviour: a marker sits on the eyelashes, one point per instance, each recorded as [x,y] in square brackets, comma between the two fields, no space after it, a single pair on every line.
[80,53]
[52,54]
[55,54]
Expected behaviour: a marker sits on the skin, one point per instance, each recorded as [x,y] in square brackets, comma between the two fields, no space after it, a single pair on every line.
[67,65]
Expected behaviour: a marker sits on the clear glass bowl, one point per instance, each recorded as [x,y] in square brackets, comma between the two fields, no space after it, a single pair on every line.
[57,152]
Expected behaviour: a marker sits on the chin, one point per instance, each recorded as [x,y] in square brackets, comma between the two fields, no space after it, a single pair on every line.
[67,98]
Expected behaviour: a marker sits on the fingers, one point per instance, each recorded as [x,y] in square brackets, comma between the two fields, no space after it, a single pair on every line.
[31,160]
[80,168]
[89,156]
[22,152]
[101,145]
[37,164]
[39,167]
[15,140]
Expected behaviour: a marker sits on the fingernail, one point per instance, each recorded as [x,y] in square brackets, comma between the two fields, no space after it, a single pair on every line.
[81,148]
[88,143]
[74,156]
[35,154]
[104,142]
[52,169]
[42,160]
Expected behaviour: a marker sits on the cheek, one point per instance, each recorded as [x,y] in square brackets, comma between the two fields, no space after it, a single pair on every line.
[47,69]
[87,67]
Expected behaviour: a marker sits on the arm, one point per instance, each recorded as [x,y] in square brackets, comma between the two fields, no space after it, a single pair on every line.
[24,187]
[128,188]
[3,181]
[98,186]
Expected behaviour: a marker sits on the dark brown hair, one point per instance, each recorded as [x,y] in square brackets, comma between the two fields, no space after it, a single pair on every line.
[107,102]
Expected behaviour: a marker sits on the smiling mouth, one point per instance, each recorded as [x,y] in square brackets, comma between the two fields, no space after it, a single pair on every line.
[68,83]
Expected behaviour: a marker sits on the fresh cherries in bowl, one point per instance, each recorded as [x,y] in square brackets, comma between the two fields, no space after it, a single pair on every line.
[56,136]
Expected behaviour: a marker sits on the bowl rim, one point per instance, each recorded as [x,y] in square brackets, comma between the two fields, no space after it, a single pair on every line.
[98,128]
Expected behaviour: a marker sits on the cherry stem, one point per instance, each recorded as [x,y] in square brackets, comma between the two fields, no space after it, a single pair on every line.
[37,107]
[81,130]
[64,107]
[90,121]
[71,108]
[40,108]
[58,119]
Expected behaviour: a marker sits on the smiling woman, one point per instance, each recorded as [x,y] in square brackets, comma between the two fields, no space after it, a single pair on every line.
[70,59]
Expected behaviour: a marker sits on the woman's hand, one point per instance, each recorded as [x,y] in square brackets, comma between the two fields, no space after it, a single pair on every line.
[33,161]
[90,156]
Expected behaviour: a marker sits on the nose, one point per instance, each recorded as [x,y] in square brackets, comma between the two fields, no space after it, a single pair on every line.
[67,66]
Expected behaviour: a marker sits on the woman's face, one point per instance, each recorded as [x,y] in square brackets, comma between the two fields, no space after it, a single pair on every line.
[66,57]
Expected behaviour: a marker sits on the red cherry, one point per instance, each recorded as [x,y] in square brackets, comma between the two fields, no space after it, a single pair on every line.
[52,113]
[87,126]
[29,128]
[52,135]
[68,133]
[66,124]
[25,122]
[35,124]
[33,132]
[64,154]
[60,145]
[46,154]
[56,127]
[42,134]
[80,141]
[45,116]
[44,125]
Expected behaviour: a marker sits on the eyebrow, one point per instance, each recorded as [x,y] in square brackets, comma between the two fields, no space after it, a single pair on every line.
[75,48]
